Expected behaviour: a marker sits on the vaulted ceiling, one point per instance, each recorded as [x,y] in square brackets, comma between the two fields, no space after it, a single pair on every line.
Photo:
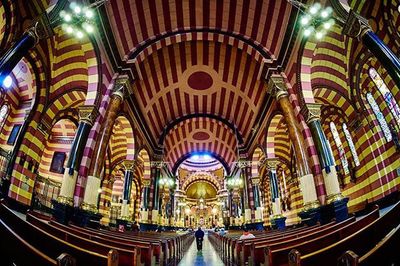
[198,69]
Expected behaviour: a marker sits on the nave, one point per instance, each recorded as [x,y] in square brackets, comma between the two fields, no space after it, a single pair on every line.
[207,256]
[125,125]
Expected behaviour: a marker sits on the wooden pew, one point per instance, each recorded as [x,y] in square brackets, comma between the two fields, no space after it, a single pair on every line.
[361,242]
[51,245]
[14,249]
[276,254]
[386,252]
[127,253]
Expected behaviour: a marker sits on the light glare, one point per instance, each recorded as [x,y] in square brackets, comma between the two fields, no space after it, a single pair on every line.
[305,20]
[7,82]
[67,17]
[89,13]
[70,29]
[77,9]
[79,34]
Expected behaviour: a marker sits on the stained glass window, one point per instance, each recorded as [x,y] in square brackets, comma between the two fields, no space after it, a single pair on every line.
[379,116]
[339,146]
[3,115]
[351,144]
[387,95]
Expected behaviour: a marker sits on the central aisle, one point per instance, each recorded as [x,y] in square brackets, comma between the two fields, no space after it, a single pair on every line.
[206,257]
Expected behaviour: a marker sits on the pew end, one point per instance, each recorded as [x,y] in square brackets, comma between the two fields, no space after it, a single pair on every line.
[349,258]
[112,258]
[294,258]
[66,260]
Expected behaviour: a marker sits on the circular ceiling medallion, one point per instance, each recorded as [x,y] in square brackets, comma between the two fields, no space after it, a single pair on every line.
[200,80]
[201,136]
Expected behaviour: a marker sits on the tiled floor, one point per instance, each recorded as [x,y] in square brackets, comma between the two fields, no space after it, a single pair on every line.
[207,256]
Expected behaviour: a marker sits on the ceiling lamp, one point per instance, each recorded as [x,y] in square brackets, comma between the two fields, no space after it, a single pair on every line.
[7,82]
[313,17]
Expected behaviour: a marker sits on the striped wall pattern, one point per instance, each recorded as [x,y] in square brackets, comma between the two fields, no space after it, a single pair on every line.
[236,92]
[135,22]
[270,144]
[200,135]
[330,57]
[8,24]
[392,18]
[204,176]
[60,140]
[23,176]
[144,160]
[74,66]
[122,142]
[106,87]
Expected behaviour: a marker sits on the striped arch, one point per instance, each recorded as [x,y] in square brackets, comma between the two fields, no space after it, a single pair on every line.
[7,23]
[60,140]
[68,100]
[122,141]
[258,156]
[329,96]
[258,52]
[278,142]
[23,177]
[144,162]
[74,65]
[201,177]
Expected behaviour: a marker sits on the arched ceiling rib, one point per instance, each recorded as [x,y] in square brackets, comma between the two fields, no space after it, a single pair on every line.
[201,135]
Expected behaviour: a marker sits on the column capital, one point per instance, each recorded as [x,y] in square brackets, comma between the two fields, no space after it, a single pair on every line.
[41,28]
[255,181]
[129,165]
[272,163]
[311,112]
[146,182]
[356,25]
[87,114]
[277,86]
[122,87]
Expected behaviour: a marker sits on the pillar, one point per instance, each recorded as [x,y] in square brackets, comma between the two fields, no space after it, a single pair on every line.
[40,30]
[255,182]
[126,194]
[277,87]
[312,114]
[154,212]
[357,27]
[144,208]
[97,163]
[87,116]
[246,204]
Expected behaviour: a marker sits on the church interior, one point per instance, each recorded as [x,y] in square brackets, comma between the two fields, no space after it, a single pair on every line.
[129,126]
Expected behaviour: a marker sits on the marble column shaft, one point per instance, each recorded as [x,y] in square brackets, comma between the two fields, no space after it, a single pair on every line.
[97,163]
[87,115]
[278,88]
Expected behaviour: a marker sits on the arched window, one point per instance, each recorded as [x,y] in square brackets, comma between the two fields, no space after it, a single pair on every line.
[3,115]
[387,95]
[351,144]
[381,119]
[339,145]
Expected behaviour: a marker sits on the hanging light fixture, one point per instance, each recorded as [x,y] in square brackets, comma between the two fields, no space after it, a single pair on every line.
[313,17]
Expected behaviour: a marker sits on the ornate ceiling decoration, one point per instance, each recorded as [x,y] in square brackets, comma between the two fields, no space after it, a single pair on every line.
[201,189]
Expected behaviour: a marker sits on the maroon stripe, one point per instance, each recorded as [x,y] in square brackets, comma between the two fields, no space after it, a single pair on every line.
[166,15]
[268,21]
[142,19]
[206,13]
[193,47]
[278,30]
[178,101]
[179,14]
[232,15]
[245,15]
[192,11]
[132,30]
[182,52]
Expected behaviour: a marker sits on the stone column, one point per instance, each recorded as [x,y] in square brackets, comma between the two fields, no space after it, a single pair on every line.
[255,181]
[272,164]
[277,87]
[126,195]
[40,30]
[246,204]
[357,27]
[87,116]
[144,209]
[312,114]
[155,212]
[97,163]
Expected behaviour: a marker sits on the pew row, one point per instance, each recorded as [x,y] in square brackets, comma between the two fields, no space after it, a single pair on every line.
[53,246]
[362,241]
[31,256]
